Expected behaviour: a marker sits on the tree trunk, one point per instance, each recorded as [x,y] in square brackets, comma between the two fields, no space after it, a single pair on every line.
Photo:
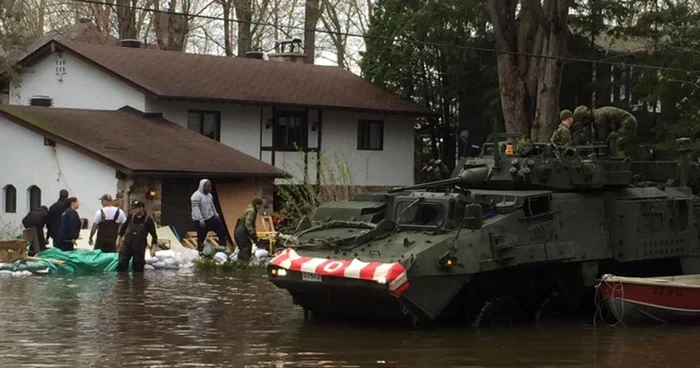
[512,86]
[530,86]
[127,19]
[171,29]
[227,7]
[244,15]
[311,16]
[101,14]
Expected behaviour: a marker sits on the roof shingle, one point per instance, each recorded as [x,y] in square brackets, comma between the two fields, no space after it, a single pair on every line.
[179,75]
[137,143]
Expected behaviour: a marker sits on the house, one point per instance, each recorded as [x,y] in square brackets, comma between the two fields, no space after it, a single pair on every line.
[135,155]
[285,114]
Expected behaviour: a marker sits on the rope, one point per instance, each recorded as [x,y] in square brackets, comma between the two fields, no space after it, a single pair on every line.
[599,308]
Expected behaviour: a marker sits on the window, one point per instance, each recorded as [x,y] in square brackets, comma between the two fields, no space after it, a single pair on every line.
[207,123]
[370,135]
[10,198]
[34,194]
[290,131]
[420,214]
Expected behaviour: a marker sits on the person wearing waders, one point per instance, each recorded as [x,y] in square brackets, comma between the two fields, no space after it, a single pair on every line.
[245,233]
[204,215]
[106,224]
[133,239]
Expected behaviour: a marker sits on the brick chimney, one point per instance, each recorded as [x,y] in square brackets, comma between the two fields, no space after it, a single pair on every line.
[288,51]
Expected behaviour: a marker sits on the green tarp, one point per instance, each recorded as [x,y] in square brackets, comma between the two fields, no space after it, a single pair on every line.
[81,262]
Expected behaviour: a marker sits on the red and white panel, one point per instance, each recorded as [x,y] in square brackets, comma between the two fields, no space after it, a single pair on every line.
[393,274]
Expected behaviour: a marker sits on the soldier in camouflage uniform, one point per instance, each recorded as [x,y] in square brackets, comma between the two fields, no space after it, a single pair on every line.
[245,232]
[608,119]
[562,135]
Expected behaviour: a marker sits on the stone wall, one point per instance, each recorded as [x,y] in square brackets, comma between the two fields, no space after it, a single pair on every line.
[131,189]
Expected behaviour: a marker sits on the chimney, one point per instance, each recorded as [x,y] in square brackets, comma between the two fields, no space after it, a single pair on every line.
[254,55]
[131,43]
[288,51]
[44,101]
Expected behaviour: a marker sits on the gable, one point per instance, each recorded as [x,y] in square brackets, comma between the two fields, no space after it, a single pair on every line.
[72,82]
[182,76]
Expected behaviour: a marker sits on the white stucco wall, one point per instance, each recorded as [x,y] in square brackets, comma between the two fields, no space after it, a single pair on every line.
[240,129]
[240,124]
[391,166]
[82,86]
[26,162]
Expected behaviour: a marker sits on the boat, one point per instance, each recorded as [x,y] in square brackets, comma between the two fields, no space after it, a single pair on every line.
[650,299]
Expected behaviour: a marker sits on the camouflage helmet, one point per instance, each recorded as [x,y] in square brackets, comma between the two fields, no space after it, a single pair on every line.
[565,114]
[581,113]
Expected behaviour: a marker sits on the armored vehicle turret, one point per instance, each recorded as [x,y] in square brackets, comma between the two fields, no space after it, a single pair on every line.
[505,236]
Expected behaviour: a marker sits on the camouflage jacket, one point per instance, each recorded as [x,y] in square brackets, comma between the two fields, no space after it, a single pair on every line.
[561,136]
[609,118]
[248,218]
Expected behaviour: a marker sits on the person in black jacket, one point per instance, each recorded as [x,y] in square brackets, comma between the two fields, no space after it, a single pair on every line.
[36,219]
[69,231]
[53,221]
[133,238]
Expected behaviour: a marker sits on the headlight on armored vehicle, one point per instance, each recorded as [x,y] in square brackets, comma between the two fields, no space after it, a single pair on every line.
[281,272]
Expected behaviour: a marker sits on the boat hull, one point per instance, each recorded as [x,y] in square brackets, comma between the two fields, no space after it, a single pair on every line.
[653,300]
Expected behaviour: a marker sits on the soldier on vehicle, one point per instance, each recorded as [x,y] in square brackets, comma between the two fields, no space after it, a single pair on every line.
[609,119]
[562,135]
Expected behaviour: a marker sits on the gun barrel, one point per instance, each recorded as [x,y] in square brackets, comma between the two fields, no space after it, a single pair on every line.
[469,177]
[431,184]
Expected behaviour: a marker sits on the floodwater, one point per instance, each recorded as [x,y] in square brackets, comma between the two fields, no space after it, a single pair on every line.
[241,320]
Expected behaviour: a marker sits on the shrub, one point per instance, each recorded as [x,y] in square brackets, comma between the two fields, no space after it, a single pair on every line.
[301,196]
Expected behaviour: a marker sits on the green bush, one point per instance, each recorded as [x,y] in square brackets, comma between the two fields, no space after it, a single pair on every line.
[301,197]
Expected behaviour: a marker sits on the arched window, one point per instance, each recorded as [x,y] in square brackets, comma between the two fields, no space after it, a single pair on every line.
[10,198]
[34,194]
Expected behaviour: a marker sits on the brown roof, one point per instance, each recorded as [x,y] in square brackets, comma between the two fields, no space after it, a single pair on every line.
[136,143]
[179,75]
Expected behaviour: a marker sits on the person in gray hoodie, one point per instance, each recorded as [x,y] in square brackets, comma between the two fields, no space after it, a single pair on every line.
[204,215]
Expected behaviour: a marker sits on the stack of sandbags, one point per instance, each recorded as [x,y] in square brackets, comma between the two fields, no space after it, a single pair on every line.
[21,268]
[171,260]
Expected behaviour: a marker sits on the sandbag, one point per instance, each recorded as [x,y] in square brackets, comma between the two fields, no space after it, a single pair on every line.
[148,267]
[220,258]
[260,253]
[187,257]
[158,265]
[6,266]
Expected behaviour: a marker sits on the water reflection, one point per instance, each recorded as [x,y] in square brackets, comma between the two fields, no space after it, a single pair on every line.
[168,319]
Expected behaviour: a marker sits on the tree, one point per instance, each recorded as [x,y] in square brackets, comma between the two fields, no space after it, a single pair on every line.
[244,15]
[456,83]
[312,14]
[530,86]
[171,29]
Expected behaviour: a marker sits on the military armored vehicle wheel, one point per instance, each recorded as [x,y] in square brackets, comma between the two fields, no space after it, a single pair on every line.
[499,311]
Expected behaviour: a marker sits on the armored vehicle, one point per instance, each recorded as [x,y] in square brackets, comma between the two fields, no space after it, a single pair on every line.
[508,235]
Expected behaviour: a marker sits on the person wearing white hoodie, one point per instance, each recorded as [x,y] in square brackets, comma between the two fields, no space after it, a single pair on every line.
[205,216]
